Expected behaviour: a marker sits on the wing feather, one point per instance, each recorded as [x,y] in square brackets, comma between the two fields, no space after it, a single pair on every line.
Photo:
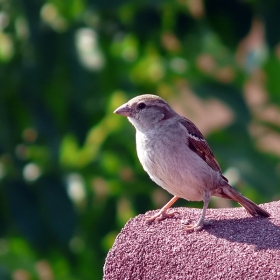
[198,144]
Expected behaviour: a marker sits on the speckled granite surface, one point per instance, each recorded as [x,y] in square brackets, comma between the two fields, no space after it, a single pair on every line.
[232,246]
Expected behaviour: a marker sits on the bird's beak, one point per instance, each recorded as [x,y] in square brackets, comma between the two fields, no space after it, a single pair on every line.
[123,110]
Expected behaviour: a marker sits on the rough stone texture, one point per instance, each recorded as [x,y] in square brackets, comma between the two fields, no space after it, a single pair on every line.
[233,246]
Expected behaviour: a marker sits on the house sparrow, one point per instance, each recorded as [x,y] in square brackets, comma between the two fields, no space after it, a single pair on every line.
[176,156]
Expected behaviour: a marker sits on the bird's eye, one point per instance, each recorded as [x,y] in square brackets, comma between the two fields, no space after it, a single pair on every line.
[141,106]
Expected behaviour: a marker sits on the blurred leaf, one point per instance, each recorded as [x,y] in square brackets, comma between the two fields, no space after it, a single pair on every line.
[230,94]
[74,156]
[147,22]
[25,213]
[269,11]
[272,68]
[72,10]
[57,209]
[5,274]
[230,19]
[150,69]
[184,24]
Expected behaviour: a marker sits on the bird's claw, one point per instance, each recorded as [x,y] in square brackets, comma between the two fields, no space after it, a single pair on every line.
[188,226]
[194,227]
[161,215]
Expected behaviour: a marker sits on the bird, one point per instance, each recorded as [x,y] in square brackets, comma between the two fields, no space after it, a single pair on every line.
[177,157]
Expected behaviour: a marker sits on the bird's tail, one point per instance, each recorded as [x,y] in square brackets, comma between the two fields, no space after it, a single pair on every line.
[253,209]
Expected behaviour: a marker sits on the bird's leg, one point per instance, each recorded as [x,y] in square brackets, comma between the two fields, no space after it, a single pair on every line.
[162,214]
[200,223]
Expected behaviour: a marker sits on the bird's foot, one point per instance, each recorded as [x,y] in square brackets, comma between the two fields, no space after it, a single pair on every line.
[188,226]
[161,215]
[194,227]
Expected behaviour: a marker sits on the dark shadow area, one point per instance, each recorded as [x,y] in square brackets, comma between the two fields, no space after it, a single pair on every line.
[260,232]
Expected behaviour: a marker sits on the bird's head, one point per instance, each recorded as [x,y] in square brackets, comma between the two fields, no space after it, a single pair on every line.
[146,111]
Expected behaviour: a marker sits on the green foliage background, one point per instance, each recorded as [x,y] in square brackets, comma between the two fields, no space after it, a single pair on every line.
[69,176]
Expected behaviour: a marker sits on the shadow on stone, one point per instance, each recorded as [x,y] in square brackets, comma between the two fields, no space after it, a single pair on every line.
[260,232]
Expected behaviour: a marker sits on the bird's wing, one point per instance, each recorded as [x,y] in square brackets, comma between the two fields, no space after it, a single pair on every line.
[198,144]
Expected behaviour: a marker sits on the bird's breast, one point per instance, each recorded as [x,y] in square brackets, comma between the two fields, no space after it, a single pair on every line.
[171,165]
